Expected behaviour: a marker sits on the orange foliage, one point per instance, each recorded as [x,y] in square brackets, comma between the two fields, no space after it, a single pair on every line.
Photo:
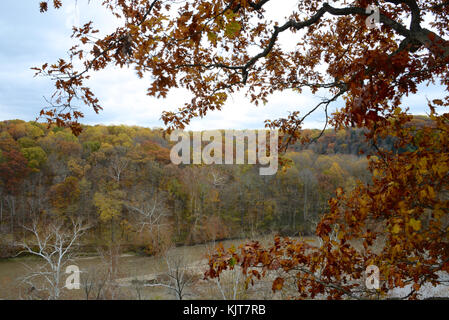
[208,48]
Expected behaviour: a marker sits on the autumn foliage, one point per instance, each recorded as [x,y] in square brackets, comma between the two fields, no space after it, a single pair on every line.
[215,48]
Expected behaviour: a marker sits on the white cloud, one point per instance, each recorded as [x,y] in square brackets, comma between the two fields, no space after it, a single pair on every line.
[46,37]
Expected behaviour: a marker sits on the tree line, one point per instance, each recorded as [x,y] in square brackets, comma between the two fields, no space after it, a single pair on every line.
[120,179]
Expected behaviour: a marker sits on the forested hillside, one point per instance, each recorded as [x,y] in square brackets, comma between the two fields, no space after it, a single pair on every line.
[121,180]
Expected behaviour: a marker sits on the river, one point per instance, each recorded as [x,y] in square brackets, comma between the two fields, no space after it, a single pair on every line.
[129,266]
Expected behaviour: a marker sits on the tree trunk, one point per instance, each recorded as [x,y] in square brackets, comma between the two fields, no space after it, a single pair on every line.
[305,202]
[1,212]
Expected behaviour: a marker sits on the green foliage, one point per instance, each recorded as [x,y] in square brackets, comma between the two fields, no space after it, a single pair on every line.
[99,172]
[26,142]
[91,146]
[36,157]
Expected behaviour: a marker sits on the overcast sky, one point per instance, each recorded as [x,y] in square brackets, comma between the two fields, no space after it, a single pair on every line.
[29,38]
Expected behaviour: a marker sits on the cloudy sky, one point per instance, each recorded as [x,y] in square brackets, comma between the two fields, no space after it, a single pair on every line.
[29,38]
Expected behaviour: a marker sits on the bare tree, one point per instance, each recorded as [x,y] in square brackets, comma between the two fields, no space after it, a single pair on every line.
[217,179]
[94,282]
[138,286]
[110,258]
[54,243]
[150,220]
[118,164]
[308,179]
[99,282]
[230,285]
[150,212]
[178,277]
[181,278]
